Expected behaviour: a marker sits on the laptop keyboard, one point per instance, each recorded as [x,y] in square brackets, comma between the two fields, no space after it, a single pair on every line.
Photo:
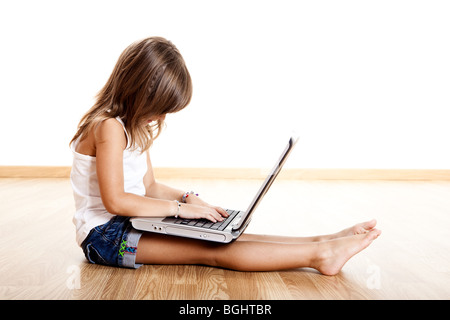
[204,223]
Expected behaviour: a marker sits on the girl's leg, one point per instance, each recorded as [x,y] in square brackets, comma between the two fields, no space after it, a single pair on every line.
[359,228]
[328,257]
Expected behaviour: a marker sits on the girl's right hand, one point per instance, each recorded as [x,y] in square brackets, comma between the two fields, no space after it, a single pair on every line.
[192,211]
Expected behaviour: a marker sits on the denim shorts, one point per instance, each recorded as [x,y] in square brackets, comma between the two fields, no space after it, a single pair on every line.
[113,243]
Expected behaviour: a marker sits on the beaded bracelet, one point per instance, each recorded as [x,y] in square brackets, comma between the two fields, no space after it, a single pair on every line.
[183,199]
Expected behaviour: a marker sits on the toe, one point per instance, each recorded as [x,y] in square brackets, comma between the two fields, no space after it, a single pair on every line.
[368,225]
[373,234]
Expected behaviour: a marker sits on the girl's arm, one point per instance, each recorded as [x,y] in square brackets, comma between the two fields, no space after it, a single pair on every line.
[158,190]
[110,142]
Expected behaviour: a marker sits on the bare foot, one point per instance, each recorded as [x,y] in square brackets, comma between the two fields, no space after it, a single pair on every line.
[333,254]
[359,228]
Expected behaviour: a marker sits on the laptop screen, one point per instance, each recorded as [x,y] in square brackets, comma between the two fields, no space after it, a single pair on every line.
[266,184]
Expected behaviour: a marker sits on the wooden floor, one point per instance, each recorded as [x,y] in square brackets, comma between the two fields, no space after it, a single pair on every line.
[39,258]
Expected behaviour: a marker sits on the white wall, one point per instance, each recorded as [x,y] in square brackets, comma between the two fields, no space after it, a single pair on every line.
[364,83]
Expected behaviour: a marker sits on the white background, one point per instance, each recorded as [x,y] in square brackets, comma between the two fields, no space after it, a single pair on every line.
[365,84]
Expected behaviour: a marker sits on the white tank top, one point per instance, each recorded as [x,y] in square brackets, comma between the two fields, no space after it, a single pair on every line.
[90,211]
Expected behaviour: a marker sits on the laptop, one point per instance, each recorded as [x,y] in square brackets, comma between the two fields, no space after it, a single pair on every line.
[223,231]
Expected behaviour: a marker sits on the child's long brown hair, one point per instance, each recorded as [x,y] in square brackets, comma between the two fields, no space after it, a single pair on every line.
[150,79]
